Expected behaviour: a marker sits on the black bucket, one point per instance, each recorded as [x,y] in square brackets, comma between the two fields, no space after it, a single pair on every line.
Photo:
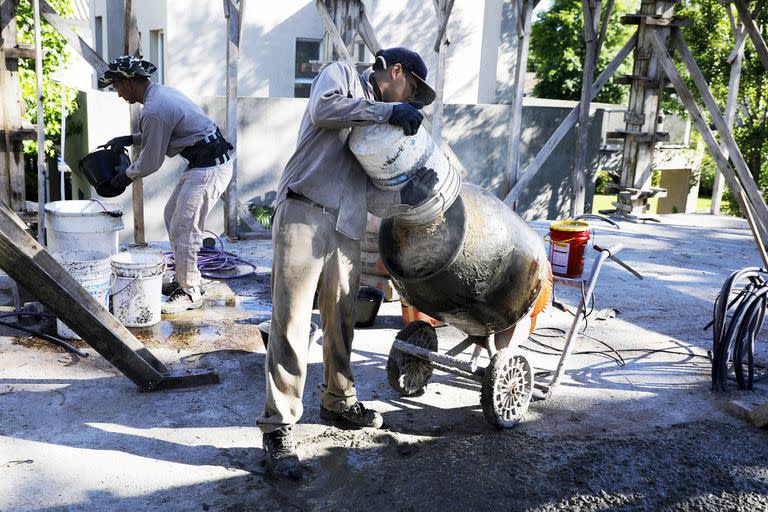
[99,169]
[368,302]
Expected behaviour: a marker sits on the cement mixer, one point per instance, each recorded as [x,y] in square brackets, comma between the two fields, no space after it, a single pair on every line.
[466,259]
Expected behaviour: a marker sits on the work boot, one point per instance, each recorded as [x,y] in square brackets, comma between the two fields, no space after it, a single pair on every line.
[356,415]
[182,299]
[280,456]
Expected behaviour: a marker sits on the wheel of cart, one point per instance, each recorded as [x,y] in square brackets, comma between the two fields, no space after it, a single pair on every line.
[507,383]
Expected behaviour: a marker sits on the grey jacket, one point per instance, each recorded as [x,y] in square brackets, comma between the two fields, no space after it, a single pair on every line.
[169,122]
[323,168]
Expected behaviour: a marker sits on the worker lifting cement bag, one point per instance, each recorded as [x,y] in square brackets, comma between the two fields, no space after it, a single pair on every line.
[391,159]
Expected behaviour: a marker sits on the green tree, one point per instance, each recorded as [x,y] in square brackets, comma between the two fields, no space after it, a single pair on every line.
[558,48]
[711,41]
[56,55]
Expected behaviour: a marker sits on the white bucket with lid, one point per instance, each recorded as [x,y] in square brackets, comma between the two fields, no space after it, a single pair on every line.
[390,159]
[72,225]
[137,291]
[91,269]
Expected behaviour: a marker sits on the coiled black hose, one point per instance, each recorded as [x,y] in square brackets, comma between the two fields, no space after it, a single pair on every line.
[734,334]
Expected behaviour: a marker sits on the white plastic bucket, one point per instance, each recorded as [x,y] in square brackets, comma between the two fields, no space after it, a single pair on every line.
[91,269]
[136,294]
[390,159]
[72,225]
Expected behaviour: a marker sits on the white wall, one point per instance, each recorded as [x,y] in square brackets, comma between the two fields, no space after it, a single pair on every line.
[196,43]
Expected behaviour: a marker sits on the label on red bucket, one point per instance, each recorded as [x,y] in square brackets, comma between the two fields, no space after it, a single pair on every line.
[558,257]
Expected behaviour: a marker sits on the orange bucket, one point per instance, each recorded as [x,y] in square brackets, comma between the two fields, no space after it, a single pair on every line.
[567,240]
[411,314]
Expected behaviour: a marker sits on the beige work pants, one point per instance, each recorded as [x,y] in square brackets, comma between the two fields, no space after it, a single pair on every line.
[309,251]
[185,212]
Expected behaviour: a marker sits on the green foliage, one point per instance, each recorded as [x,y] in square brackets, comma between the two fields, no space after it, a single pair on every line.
[602,179]
[55,57]
[558,48]
[262,213]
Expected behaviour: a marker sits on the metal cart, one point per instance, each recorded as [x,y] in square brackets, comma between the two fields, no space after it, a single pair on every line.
[508,383]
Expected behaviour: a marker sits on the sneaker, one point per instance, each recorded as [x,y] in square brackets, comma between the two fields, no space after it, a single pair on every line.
[356,415]
[280,456]
[183,299]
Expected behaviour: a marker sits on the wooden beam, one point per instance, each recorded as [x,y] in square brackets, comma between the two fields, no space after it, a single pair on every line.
[132,46]
[444,15]
[12,188]
[367,34]
[442,11]
[66,28]
[233,14]
[753,31]
[42,180]
[759,221]
[524,17]
[530,171]
[736,60]
[591,15]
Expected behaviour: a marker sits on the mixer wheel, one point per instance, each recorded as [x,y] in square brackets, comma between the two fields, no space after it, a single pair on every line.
[408,374]
[507,389]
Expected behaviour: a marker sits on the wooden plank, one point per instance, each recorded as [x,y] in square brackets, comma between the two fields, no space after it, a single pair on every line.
[12,186]
[365,29]
[753,31]
[233,13]
[757,224]
[441,9]
[30,265]
[516,115]
[530,171]
[132,46]
[591,15]
[736,60]
[447,7]
[655,19]
[19,53]
[42,181]
[66,28]
[638,151]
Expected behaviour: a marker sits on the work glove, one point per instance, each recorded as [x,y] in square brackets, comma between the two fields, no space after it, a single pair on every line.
[407,117]
[121,179]
[419,187]
[118,143]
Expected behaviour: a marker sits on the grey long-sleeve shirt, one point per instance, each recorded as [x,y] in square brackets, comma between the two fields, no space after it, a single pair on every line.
[169,122]
[322,167]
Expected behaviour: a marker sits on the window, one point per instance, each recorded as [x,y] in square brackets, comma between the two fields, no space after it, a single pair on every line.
[157,53]
[306,50]
[98,30]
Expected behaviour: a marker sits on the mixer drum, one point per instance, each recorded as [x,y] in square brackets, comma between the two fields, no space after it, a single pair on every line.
[479,267]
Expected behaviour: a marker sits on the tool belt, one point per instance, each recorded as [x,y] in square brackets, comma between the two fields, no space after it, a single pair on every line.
[301,197]
[209,151]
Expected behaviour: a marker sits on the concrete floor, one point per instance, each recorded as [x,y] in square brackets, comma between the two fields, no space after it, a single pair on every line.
[645,435]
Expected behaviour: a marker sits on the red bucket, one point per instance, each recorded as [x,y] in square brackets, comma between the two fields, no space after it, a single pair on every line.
[567,239]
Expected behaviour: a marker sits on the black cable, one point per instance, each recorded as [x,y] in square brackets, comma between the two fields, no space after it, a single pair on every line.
[735,326]
[56,341]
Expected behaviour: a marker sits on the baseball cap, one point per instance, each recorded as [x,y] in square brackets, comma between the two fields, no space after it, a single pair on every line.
[411,62]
